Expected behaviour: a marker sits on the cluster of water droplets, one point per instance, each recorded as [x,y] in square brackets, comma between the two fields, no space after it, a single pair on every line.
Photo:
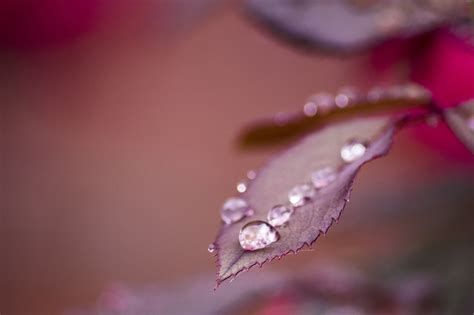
[323,103]
[259,234]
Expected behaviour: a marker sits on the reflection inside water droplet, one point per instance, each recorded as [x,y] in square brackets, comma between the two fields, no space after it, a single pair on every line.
[256,235]
[242,186]
[279,215]
[353,150]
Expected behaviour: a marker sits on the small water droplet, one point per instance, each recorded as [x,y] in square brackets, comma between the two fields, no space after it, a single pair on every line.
[256,235]
[353,150]
[234,209]
[323,177]
[323,101]
[301,194]
[251,174]
[341,100]
[242,186]
[346,97]
[279,215]
[211,248]
[310,109]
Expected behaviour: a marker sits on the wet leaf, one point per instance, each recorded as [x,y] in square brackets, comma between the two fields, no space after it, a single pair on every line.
[461,121]
[351,25]
[286,127]
[294,167]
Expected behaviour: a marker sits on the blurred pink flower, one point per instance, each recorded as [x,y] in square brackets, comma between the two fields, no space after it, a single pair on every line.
[443,63]
[34,24]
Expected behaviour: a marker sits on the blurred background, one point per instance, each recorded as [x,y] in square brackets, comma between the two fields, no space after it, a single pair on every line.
[119,127]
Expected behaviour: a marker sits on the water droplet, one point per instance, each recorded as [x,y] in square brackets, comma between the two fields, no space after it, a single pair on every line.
[323,177]
[300,194]
[251,174]
[341,100]
[353,150]
[256,235]
[211,248]
[323,101]
[346,97]
[242,186]
[310,109]
[279,215]
[234,209]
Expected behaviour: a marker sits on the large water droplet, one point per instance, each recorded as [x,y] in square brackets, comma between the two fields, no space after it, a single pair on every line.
[279,215]
[300,194]
[211,248]
[353,150]
[234,209]
[257,235]
[242,186]
[323,177]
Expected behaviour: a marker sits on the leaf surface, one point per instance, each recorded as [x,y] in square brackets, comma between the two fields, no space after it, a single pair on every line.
[294,167]
[287,126]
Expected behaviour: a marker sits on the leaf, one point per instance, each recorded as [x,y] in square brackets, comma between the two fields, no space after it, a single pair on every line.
[286,127]
[461,121]
[293,167]
[345,26]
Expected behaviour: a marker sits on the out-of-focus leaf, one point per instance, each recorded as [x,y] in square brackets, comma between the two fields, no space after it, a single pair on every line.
[351,25]
[461,121]
[294,167]
[323,289]
[285,127]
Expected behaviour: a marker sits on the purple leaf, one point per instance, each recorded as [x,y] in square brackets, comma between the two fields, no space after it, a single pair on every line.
[461,121]
[344,26]
[294,167]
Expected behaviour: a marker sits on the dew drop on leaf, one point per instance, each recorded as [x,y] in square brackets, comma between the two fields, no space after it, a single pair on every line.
[211,248]
[323,177]
[234,210]
[279,215]
[301,194]
[241,186]
[310,109]
[257,235]
[353,150]
[251,174]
